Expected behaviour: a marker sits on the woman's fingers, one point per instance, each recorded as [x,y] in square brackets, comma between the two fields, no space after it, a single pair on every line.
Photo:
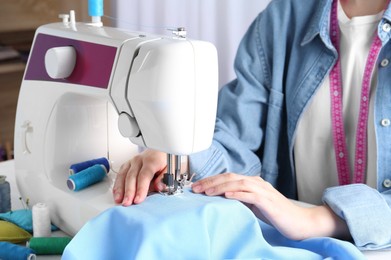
[119,184]
[136,176]
[227,182]
[248,189]
[271,206]
[145,178]
[131,182]
[212,182]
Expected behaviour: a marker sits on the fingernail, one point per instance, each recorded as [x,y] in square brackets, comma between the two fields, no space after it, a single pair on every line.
[117,197]
[196,188]
[125,202]
[137,199]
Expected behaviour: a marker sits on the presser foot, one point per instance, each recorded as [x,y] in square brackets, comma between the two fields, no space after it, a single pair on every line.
[175,181]
[173,187]
[171,192]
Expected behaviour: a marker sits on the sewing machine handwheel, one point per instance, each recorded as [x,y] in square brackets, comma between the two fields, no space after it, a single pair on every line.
[127,125]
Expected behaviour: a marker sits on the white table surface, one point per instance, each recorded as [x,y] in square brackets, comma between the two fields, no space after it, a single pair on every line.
[7,169]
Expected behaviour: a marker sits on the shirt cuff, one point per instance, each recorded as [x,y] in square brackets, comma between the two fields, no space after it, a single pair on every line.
[366,213]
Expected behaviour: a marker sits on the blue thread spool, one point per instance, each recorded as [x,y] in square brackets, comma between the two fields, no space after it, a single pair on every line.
[9,251]
[5,195]
[78,167]
[87,177]
[95,7]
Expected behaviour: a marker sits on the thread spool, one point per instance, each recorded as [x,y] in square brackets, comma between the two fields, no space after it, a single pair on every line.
[48,245]
[95,7]
[86,177]
[5,195]
[78,167]
[9,251]
[41,220]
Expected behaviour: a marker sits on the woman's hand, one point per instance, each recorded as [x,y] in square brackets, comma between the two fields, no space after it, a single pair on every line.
[293,221]
[141,174]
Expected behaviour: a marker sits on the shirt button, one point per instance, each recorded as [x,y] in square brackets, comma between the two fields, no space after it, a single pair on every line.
[387,183]
[386,122]
[386,27]
[384,63]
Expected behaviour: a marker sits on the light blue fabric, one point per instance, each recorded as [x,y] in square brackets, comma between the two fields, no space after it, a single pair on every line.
[281,61]
[192,226]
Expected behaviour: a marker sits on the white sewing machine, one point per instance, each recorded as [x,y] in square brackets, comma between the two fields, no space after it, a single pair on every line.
[83,83]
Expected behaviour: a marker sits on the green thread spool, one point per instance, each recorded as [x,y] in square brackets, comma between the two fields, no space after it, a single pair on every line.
[48,245]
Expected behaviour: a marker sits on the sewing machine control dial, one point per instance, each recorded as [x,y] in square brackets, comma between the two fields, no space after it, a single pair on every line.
[60,62]
[127,125]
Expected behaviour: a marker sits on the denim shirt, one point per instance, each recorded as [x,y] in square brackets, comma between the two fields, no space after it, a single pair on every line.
[281,61]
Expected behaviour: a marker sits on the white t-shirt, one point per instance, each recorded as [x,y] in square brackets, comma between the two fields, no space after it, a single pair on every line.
[314,150]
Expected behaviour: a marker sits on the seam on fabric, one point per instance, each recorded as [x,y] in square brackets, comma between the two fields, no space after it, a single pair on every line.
[261,56]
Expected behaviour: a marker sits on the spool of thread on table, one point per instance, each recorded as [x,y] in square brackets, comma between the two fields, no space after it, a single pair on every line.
[9,251]
[41,220]
[78,167]
[48,245]
[5,195]
[86,177]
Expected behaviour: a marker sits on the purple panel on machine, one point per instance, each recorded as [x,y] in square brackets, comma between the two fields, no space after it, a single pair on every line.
[94,62]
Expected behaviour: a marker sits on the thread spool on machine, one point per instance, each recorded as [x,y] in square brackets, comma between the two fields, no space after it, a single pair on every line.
[87,177]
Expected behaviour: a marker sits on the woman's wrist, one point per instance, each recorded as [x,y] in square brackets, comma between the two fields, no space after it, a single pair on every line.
[326,223]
